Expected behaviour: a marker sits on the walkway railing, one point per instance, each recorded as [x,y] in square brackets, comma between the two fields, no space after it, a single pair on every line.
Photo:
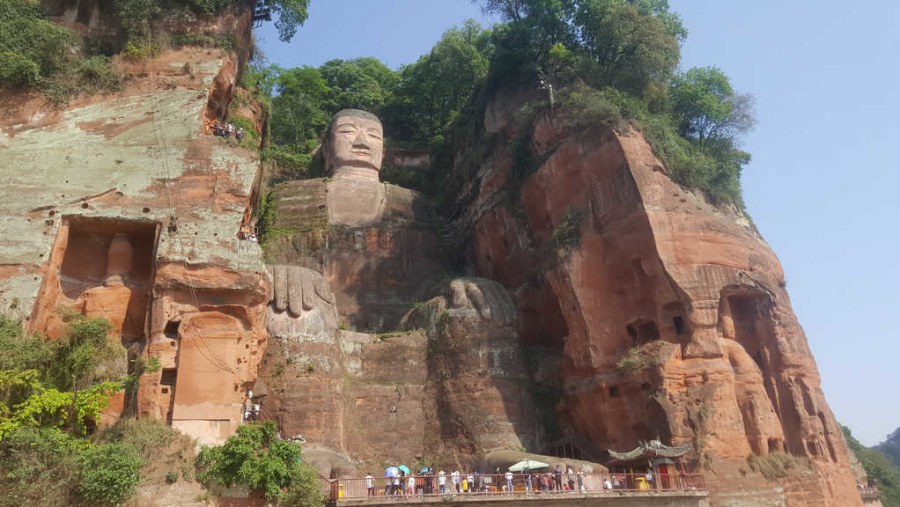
[499,484]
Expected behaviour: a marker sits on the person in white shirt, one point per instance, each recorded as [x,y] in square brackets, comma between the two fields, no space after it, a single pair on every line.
[442,482]
[456,480]
[509,481]
[411,485]
[370,484]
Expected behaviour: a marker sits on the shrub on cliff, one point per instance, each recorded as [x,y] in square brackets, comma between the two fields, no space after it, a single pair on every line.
[109,474]
[37,378]
[39,54]
[257,458]
[613,62]
[18,71]
[47,467]
[633,361]
[40,466]
[776,465]
[29,43]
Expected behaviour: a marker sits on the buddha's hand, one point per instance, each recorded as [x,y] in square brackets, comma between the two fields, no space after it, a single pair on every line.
[488,297]
[298,289]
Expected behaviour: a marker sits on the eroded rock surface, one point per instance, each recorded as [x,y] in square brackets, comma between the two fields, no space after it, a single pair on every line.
[122,207]
[689,293]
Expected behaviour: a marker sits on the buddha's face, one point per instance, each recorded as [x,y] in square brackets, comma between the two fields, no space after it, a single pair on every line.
[356,142]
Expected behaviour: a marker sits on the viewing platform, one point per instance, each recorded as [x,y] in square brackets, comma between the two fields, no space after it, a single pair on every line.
[614,490]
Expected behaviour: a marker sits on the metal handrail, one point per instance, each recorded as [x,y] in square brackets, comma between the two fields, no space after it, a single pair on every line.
[428,485]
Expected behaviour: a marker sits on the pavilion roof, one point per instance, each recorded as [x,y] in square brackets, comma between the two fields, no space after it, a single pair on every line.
[648,451]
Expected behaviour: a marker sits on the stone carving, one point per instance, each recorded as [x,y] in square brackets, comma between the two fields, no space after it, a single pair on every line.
[355,145]
[378,253]
[476,365]
[488,298]
[354,149]
[302,305]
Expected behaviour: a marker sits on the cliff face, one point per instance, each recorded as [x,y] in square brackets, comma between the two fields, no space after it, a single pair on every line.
[670,314]
[121,206]
[614,305]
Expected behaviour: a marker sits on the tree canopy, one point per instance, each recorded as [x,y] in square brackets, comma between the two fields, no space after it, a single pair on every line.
[706,107]
[257,458]
[891,447]
[606,61]
[878,467]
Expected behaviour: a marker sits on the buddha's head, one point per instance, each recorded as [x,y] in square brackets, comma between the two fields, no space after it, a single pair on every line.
[355,140]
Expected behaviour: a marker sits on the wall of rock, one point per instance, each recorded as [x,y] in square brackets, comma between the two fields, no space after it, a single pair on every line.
[123,206]
[675,322]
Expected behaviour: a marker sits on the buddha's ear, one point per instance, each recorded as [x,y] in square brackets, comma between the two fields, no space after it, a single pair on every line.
[325,150]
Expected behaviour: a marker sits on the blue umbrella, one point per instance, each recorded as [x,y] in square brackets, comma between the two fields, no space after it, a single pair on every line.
[404,469]
[391,472]
[425,470]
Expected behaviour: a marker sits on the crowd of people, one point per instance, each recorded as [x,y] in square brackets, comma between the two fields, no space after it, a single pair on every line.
[226,130]
[426,482]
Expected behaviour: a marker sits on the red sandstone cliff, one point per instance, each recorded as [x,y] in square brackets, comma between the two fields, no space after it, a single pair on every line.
[689,292]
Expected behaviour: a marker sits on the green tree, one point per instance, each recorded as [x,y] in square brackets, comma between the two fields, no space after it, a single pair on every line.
[305,489]
[41,466]
[298,114]
[706,106]
[29,43]
[22,352]
[86,355]
[254,457]
[361,83]
[632,50]
[432,91]
[878,467]
[109,474]
[891,447]
[291,15]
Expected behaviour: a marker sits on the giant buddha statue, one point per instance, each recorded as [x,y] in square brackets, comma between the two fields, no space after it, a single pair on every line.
[350,257]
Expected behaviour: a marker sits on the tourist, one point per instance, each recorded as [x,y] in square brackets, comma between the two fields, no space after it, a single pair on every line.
[370,484]
[581,478]
[527,481]
[477,478]
[607,484]
[395,485]
[570,478]
[411,485]
[509,481]
[442,482]
[649,478]
[557,479]
[469,485]
[454,477]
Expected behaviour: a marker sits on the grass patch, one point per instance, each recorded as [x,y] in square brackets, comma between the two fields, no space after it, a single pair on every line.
[634,360]
[776,465]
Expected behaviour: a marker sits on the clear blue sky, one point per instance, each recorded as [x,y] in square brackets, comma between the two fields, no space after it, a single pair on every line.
[825,173]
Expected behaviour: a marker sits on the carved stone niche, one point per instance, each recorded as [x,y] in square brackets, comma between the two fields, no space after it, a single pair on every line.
[99,267]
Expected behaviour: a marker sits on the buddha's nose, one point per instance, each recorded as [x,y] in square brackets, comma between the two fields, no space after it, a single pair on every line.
[362,140]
